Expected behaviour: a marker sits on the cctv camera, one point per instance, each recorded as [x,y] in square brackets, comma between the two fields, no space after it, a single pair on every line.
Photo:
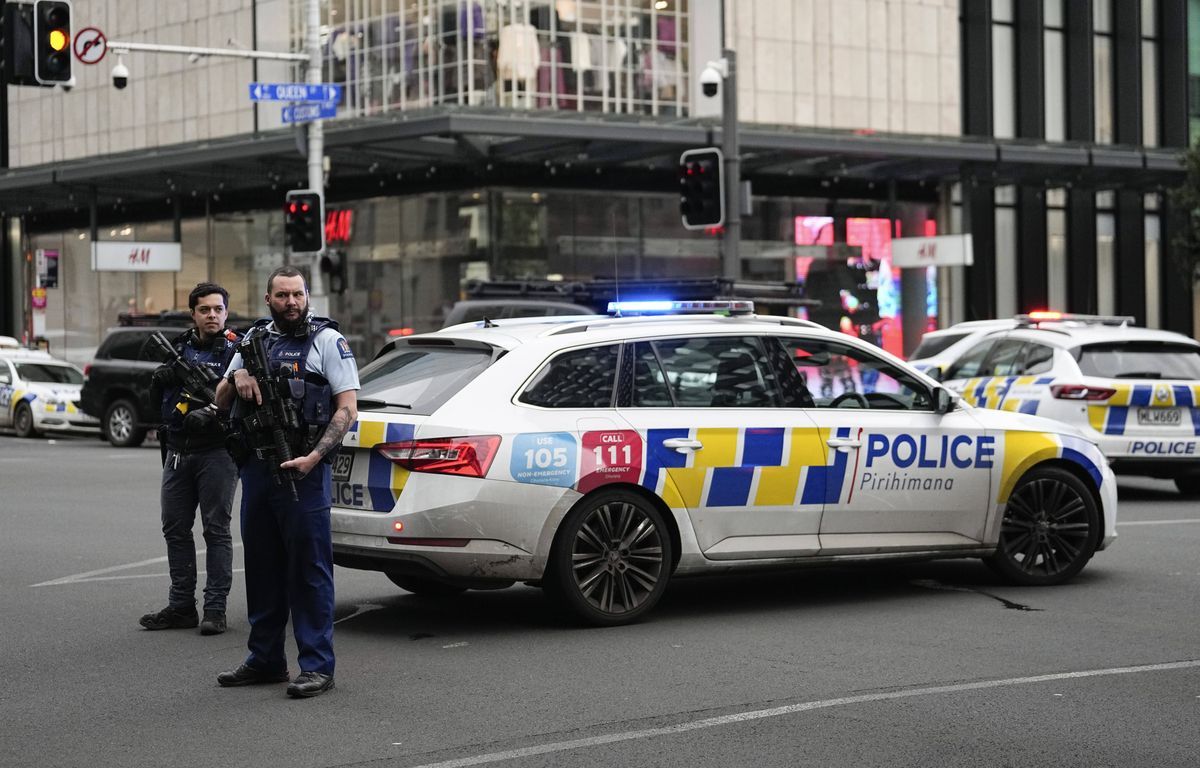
[710,81]
[120,75]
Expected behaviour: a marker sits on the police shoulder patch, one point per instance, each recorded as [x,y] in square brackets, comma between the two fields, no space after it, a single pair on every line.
[344,348]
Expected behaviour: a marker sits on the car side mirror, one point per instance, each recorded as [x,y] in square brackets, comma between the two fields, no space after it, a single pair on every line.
[942,401]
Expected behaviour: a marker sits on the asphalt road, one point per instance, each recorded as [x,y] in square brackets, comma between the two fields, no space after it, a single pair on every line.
[929,664]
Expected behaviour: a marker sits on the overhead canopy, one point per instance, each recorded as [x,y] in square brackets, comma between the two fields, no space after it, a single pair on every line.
[407,152]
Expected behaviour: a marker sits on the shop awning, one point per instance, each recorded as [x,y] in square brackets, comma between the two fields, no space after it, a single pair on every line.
[460,147]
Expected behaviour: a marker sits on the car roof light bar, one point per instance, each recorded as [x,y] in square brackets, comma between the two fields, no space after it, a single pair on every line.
[1051,316]
[664,307]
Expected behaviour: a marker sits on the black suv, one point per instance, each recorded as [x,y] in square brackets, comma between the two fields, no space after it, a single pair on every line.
[116,385]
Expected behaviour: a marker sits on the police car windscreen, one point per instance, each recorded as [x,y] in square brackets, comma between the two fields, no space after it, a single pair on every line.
[1140,360]
[49,374]
[932,345]
[419,379]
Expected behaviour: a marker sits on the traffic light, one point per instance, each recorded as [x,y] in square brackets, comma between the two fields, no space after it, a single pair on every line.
[52,41]
[333,265]
[701,192]
[304,225]
[16,42]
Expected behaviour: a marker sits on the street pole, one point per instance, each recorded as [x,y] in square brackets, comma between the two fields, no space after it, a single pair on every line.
[731,264]
[316,144]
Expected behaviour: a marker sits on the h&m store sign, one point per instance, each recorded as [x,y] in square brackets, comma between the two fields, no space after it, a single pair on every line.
[339,226]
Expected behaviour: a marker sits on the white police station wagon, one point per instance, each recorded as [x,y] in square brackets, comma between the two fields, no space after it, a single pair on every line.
[40,393]
[602,456]
[1135,391]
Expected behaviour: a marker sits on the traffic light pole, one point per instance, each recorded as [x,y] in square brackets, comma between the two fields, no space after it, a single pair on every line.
[731,264]
[316,144]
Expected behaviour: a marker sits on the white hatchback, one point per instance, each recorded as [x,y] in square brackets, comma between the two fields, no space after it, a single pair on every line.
[599,457]
[40,393]
[1134,391]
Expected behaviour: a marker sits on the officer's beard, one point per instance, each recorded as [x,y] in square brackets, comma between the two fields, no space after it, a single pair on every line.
[288,325]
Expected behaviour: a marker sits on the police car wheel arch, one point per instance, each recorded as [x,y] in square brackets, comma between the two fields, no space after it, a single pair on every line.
[611,559]
[23,420]
[1051,528]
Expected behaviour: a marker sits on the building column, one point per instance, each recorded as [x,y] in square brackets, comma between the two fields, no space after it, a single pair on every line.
[976,47]
[1081,123]
[1173,72]
[1031,77]
[979,219]
[1127,66]
[1081,251]
[1032,269]
[1130,256]
[1177,286]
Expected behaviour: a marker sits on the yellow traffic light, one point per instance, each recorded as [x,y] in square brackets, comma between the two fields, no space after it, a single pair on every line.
[58,39]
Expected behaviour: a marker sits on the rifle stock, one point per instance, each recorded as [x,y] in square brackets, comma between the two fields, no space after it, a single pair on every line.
[198,382]
[275,416]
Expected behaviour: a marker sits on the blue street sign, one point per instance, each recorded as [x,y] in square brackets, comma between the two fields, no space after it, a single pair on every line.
[302,113]
[295,92]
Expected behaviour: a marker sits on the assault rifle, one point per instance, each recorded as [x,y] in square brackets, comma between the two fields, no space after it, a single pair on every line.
[197,382]
[271,422]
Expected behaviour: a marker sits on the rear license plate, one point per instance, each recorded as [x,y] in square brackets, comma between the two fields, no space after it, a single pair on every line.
[1160,417]
[342,464]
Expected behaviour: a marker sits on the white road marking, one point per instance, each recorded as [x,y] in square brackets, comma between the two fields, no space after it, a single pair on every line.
[359,611]
[88,576]
[1161,522]
[456,645]
[791,709]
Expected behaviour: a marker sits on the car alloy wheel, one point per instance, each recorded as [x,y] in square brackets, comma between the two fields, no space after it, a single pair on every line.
[120,424]
[1050,530]
[611,560]
[23,421]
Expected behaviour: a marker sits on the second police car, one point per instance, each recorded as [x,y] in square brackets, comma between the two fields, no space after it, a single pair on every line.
[40,393]
[599,457]
[1135,391]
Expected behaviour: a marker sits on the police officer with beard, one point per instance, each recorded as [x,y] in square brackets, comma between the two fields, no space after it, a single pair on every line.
[288,549]
[197,471]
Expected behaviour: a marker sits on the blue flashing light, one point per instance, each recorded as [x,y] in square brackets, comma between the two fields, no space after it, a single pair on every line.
[660,307]
[637,307]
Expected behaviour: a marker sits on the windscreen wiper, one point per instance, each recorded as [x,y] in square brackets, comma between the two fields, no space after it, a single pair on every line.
[382,404]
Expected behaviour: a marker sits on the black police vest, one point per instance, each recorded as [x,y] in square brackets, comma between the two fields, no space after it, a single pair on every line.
[314,397]
[215,357]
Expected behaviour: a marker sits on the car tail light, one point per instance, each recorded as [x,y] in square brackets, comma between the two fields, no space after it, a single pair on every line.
[468,456]
[87,369]
[1081,392]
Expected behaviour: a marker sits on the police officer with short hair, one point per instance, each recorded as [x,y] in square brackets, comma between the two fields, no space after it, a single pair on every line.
[197,471]
[288,549]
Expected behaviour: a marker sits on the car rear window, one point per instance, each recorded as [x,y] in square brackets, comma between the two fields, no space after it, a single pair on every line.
[49,373]
[580,378]
[932,345]
[125,345]
[1140,360]
[417,379]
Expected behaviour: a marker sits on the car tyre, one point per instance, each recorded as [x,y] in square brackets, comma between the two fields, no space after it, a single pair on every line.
[611,559]
[419,585]
[1051,528]
[1189,486]
[121,425]
[23,421]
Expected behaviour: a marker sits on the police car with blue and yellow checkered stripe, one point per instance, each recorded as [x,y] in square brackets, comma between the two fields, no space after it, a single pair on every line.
[602,456]
[1135,391]
[40,393]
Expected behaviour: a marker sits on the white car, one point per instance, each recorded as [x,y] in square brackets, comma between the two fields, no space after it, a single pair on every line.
[599,457]
[40,393]
[1134,391]
[938,349]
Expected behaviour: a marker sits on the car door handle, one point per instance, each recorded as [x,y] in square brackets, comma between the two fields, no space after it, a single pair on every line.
[683,444]
[843,444]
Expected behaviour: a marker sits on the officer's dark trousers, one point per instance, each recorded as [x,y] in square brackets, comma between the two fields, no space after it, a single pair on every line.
[208,479]
[289,568]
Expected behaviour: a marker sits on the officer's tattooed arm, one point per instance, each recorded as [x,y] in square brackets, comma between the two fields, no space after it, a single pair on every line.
[345,411]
